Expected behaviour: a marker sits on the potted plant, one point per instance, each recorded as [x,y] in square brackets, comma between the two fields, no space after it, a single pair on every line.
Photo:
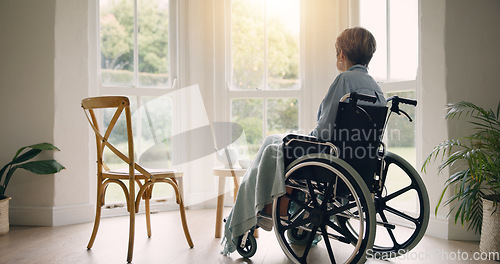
[21,160]
[475,164]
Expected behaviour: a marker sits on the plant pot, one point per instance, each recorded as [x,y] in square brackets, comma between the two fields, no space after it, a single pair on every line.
[4,215]
[490,231]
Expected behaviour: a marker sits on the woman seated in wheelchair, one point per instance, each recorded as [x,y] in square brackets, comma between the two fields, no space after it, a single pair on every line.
[264,180]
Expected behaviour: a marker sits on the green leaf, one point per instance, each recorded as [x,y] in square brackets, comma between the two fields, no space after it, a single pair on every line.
[8,176]
[479,153]
[26,156]
[42,166]
[498,111]
[44,146]
[19,152]
[2,171]
[440,199]
[40,146]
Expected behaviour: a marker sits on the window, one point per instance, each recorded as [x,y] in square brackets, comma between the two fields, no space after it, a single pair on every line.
[134,43]
[262,117]
[394,24]
[271,61]
[138,58]
[263,67]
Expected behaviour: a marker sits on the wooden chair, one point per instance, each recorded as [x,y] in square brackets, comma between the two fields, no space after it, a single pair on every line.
[135,173]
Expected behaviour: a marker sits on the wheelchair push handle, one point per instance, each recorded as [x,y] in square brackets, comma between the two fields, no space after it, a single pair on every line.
[396,99]
[395,105]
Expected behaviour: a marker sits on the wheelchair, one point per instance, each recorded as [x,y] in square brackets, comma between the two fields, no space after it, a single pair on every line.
[347,199]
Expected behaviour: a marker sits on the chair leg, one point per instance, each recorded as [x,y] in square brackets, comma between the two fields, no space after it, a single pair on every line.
[96,227]
[148,211]
[132,227]
[183,214]
[97,220]
[220,207]
[184,224]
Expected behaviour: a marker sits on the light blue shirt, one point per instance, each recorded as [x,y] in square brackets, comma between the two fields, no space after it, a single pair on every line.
[355,79]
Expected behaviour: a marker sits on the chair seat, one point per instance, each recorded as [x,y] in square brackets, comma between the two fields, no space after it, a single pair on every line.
[158,173]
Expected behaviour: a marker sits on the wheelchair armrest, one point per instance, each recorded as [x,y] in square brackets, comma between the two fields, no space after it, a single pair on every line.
[302,140]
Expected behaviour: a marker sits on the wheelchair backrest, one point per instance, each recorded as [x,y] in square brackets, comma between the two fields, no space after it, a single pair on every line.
[358,134]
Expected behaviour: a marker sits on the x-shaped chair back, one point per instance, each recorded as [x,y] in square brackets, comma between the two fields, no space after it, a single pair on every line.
[122,104]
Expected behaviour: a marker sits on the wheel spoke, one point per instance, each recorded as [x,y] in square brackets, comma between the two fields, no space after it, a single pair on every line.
[314,202]
[296,224]
[311,192]
[297,213]
[327,243]
[309,244]
[300,203]
[391,234]
[347,235]
[328,193]
[341,209]
[401,214]
[397,193]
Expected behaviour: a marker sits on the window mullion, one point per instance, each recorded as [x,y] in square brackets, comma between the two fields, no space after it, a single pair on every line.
[264,103]
[388,40]
[265,47]
[264,117]
[136,48]
[138,133]
[173,47]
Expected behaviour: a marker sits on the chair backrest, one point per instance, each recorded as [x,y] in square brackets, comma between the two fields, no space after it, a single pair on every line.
[121,104]
[358,134]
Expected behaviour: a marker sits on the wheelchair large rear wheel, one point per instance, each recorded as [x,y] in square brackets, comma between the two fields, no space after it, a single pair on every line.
[323,188]
[402,208]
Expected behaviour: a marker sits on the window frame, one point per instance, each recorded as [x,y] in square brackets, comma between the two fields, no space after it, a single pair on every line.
[263,94]
[137,91]
[173,50]
[388,86]
[392,86]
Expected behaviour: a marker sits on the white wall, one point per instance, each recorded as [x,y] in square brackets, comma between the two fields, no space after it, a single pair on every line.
[27,99]
[473,63]
[43,77]
[197,68]
[73,202]
[431,95]
[458,61]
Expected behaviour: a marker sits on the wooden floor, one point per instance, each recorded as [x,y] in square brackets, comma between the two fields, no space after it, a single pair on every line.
[67,244]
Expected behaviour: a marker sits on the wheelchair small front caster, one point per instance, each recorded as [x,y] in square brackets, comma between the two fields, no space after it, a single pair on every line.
[247,245]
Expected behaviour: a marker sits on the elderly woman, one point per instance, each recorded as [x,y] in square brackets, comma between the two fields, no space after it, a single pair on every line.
[264,180]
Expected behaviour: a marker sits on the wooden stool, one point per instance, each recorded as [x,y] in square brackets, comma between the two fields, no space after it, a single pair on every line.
[222,173]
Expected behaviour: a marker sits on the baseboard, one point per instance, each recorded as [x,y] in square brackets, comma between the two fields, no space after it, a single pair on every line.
[459,232]
[438,227]
[445,228]
[30,215]
[73,214]
[51,216]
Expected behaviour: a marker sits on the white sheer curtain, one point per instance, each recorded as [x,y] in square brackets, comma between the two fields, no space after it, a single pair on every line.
[185,140]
